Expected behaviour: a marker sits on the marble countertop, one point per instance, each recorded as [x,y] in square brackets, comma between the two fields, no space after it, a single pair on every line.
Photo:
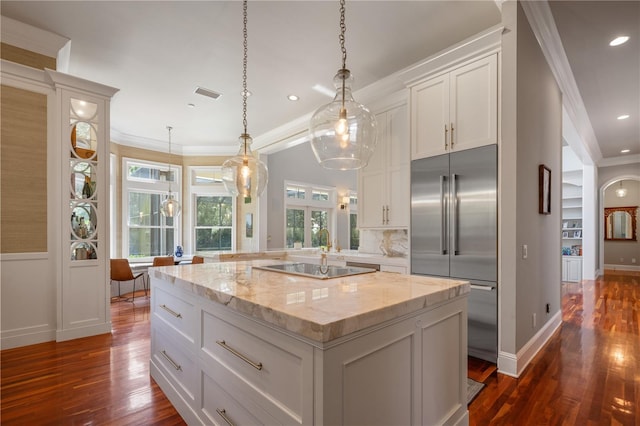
[320,310]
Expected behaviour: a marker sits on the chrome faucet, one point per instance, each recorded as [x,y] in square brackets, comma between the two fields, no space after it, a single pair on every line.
[328,238]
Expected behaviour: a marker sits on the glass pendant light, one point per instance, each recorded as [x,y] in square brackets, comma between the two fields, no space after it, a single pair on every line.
[621,192]
[170,207]
[245,174]
[343,132]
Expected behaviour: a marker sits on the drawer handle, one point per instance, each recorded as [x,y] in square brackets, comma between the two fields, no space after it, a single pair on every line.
[168,358]
[171,311]
[223,414]
[257,366]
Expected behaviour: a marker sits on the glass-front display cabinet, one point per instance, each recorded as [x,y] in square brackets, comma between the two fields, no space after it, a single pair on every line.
[84,123]
[82,146]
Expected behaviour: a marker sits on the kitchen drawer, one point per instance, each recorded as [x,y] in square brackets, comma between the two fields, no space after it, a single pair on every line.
[176,311]
[225,405]
[280,368]
[180,365]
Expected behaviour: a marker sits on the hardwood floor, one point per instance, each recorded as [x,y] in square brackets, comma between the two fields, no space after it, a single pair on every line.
[92,381]
[587,374]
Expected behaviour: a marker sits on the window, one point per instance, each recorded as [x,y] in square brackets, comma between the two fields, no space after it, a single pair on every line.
[212,217]
[147,233]
[214,223]
[308,209]
[354,232]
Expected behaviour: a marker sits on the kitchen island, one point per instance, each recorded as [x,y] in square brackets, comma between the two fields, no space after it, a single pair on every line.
[234,344]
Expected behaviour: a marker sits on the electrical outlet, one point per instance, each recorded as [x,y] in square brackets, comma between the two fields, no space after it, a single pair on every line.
[533,320]
[633,260]
[525,251]
[622,259]
[548,308]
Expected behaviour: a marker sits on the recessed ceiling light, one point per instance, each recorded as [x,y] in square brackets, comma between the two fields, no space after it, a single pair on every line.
[623,117]
[191,105]
[618,41]
[293,97]
[625,151]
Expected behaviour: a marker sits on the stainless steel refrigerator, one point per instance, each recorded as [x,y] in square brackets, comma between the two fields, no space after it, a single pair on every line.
[454,222]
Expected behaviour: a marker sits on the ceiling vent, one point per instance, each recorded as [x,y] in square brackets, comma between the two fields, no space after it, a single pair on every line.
[208,93]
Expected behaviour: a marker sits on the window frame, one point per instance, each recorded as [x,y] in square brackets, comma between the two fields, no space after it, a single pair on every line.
[147,186]
[308,204]
[213,189]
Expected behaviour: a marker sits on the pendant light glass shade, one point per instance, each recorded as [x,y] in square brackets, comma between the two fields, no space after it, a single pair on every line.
[343,132]
[245,175]
[170,207]
[621,192]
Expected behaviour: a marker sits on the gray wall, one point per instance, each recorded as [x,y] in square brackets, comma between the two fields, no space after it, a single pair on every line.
[531,135]
[299,164]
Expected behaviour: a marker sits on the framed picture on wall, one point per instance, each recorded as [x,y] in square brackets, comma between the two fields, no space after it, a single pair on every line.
[544,189]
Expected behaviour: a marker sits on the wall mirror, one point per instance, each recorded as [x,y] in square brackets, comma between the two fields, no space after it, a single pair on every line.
[620,223]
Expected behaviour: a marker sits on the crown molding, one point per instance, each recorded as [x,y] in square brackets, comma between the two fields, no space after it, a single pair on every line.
[620,160]
[31,38]
[544,27]
[150,144]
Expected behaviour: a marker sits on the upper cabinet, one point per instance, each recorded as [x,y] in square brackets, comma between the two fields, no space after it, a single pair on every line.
[456,110]
[383,186]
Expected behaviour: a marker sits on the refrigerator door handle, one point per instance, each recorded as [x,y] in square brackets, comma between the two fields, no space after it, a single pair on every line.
[482,287]
[443,217]
[454,228]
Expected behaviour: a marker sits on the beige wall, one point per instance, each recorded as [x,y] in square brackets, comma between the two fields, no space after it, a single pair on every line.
[23,160]
[122,151]
[623,252]
[23,174]
[25,57]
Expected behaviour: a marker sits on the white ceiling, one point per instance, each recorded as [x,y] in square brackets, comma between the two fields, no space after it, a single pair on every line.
[157,52]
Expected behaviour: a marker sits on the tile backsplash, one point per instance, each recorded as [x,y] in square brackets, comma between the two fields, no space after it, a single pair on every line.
[389,242]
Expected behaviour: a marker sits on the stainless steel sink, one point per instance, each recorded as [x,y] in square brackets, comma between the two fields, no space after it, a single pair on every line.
[321,272]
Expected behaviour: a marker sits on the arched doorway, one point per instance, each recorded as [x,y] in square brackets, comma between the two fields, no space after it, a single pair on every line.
[622,254]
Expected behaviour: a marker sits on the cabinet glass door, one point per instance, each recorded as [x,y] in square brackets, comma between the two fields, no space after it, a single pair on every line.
[83,166]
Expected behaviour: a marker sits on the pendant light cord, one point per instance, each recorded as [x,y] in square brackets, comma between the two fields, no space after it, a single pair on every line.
[343,29]
[244,75]
[169,128]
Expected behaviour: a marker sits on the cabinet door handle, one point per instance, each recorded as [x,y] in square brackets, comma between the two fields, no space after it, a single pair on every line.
[171,361]
[383,215]
[171,311]
[256,365]
[223,413]
[446,131]
[451,135]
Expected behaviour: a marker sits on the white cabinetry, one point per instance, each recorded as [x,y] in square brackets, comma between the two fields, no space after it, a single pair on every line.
[571,232]
[572,268]
[456,110]
[83,302]
[383,186]
[246,371]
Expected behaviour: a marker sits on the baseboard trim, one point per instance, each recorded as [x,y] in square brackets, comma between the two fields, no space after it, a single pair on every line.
[622,267]
[514,364]
[77,333]
[26,337]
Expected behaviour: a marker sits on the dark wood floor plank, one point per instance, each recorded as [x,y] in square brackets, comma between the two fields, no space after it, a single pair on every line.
[587,374]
